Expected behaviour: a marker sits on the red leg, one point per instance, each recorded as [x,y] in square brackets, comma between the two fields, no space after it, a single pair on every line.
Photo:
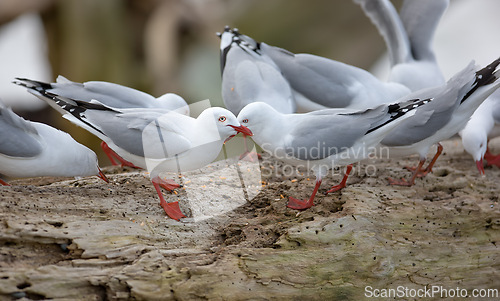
[112,155]
[102,176]
[4,183]
[428,169]
[297,204]
[172,209]
[169,185]
[343,182]
[492,159]
[404,182]
[479,165]
[247,155]
[109,152]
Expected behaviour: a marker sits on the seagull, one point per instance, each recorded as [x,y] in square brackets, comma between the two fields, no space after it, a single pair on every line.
[316,82]
[452,106]
[158,140]
[409,37]
[322,139]
[247,76]
[110,94]
[32,149]
[483,125]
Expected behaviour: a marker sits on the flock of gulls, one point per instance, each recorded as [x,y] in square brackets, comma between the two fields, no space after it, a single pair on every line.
[303,109]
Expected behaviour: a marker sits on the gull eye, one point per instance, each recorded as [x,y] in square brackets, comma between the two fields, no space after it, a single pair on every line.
[245,120]
[222,118]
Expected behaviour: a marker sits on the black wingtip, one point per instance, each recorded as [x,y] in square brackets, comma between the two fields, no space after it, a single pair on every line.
[487,75]
[32,84]
[78,109]
[484,77]
[397,110]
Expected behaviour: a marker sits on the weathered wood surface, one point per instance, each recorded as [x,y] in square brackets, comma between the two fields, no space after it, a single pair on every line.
[88,240]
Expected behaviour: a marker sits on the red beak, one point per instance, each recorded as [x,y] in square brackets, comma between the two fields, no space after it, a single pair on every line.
[242,129]
[102,176]
[480,167]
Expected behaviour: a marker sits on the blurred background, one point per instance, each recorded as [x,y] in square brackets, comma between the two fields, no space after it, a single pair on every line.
[160,46]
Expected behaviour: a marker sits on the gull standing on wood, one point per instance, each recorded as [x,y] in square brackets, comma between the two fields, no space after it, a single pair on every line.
[449,112]
[158,140]
[32,149]
[322,139]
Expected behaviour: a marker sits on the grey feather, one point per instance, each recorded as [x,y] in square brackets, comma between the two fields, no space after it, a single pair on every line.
[18,136]
[314,139]
[109,94]
[325,81]
[432,117]
[142,125]
[420,19]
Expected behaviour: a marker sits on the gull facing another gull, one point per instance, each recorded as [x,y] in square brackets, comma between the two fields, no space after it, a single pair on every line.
[32,149]
[327,138]
[110,94]
[322,139]
[158,140]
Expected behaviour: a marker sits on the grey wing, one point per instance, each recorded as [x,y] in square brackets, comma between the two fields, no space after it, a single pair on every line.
[143,133]
[321,80]
[422,125]
[319,135]
[388,23]
[431,117]
[17,136]
[336,133]
[110,94]
[420,19]
[323,136]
